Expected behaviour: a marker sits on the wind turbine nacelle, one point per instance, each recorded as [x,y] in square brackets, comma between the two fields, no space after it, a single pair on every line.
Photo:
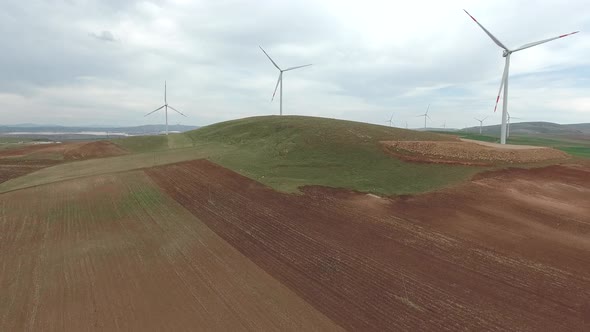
[505,53]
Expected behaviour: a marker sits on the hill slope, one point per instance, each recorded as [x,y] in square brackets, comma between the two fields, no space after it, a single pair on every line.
[292,151]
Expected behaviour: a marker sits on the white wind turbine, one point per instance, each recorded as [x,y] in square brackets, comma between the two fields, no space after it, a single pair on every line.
[165,107]
[508,124]
[504,83]
[280,80]
[480,123]
[425,115]
[390,121]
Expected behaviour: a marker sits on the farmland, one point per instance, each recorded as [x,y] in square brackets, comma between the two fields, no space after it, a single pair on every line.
[289,223]
[113,253]
[23,159]
[375,264]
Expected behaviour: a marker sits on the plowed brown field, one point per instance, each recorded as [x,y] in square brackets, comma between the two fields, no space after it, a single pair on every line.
[508,251]
[112,253]
[468,152]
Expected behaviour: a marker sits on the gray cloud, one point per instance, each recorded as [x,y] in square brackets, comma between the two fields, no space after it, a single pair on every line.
[105,35]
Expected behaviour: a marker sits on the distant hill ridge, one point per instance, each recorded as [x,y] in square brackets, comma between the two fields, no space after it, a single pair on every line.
[535,128]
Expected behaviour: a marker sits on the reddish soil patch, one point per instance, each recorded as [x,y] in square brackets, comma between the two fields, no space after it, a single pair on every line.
[10,169]
[470,153]
[510,251]
[98,149]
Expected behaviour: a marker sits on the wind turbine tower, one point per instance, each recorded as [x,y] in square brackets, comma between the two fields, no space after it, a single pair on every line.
[504,83]
[480,123]
[280,80]
[165,107]
[390,121]
[508,124]
[425,115]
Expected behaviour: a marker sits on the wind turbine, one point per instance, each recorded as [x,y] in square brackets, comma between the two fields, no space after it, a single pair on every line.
[165,107]
[480,123]
[444,125]
[508,124]
[425,115]
[504,83]
[390,121]
[280,80]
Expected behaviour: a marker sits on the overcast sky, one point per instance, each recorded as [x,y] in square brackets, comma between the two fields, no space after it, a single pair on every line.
[92,62]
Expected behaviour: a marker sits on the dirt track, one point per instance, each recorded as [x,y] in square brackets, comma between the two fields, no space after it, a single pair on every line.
[509,251]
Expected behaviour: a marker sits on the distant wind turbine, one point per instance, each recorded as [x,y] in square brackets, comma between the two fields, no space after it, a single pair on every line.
[425,115]
[504,82]
[280,80]
[390,121]
[508,124]
[165,107]
[480,123]
[406,124]
[444,125]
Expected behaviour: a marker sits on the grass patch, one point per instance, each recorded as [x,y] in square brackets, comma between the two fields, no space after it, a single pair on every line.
[139,144]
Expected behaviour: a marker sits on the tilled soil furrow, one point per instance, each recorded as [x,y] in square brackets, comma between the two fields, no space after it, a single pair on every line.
[369,270]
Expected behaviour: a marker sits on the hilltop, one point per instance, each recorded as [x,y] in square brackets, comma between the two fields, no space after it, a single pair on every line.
[286,152]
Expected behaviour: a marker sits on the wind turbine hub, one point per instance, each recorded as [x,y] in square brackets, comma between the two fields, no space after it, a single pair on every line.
[506,53]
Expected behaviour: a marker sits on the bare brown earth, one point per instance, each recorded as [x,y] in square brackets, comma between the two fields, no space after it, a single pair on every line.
[112,253]
[470,153]
[10,168]
[19,161]
[507,251]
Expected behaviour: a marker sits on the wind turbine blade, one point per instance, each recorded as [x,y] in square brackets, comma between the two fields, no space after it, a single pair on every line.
[501,86]
[165,101]
[277,86]
[177,111]
[477,119]
[157,109]
[391,118]
[297,67]
[499,43]
[427,109]
[268,56]
[543,41]
[484,119]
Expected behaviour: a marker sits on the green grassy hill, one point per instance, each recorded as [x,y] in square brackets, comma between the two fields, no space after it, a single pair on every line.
[291,151]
